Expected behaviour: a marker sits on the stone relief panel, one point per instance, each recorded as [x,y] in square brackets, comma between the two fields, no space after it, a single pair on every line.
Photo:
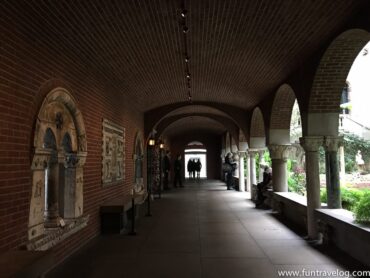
[113,153]
[56,199]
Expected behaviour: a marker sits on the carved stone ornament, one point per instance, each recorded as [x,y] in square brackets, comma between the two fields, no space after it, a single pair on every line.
[71,160]
[332,144]
[311,143]
[113,153]
[41,159]
[280,151]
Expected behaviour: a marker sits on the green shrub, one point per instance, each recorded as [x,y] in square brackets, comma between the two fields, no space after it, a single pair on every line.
[362,209]
[323,195]
[350,197]
[297,179]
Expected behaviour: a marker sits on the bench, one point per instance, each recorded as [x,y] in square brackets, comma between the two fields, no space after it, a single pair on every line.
[22,263]
[115,212]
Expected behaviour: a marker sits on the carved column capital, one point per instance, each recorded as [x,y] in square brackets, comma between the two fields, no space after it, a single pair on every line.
[332,143]
[280,151]
[311,143]
[81,156]
[242,154]
[41,159]
[71,160]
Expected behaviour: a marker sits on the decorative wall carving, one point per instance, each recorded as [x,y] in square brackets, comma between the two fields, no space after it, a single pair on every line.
[113,152]
[57,169]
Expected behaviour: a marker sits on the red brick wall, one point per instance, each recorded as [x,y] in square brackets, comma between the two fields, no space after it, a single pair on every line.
[282,108]
[28,71]
[333,70]
[257,124]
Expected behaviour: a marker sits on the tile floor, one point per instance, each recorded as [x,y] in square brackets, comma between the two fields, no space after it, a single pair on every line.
[204,231]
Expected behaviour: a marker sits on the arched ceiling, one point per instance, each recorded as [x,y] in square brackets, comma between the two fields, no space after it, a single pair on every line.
[239,50]
[194,124]
[197,109]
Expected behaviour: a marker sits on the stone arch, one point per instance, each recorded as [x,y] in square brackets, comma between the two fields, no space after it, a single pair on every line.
[281,114]
[138,158]
[257,130]
[57,171]
[329,80]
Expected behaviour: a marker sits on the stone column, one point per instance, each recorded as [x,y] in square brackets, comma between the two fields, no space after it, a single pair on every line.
[67,186]
[236,160]
[311,146]
[51,212]
[260,168]
[279,155]
[248,185]
[331,145]
[241,171]
[252,166]
[342,163]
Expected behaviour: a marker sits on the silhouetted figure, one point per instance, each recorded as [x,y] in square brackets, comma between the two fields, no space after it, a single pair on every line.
[230,167]
[190,167]
[177,169]
[198,167]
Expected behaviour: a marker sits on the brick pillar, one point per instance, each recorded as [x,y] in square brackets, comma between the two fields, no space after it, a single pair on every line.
[331,145]
[311,146]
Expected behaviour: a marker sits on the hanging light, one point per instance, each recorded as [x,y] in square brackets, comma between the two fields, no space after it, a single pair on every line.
[184,13]
[185,29]
[151,142]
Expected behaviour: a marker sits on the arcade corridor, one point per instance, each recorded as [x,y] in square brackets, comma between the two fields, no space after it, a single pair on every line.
[100,99]
[201,230]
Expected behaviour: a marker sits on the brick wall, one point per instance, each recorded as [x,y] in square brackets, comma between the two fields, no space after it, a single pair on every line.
[28,71]
[282,108]
[333,70]
[257,124]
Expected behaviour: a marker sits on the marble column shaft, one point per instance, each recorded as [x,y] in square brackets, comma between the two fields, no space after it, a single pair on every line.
[279,155]
[248,185]
[331,145]
[241,171]
[252,166]
[311,146]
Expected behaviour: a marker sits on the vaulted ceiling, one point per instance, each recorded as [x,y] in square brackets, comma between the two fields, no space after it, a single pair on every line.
[238,50]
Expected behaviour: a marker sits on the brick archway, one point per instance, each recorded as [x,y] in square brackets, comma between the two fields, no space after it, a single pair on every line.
[257,131]
[330,78]
[281,114]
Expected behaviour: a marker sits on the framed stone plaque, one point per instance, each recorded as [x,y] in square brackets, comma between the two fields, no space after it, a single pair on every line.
[113,153]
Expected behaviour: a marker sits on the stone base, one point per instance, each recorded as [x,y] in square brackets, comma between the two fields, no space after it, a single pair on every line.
[52,237]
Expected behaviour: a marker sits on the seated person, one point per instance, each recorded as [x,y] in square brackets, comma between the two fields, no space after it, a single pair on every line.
[263,186]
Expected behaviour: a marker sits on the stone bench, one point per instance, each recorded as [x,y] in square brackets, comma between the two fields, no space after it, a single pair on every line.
[22,263]
[115,212]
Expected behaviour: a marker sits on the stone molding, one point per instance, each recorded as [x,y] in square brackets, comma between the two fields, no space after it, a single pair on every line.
[280,151]
[332,143]
[52,237]
[311,143]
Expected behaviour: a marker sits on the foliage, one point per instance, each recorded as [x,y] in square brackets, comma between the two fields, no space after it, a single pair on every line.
[353,143]
[350,197]
[266,157]
[323,195]
[296,179]
[362,209]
